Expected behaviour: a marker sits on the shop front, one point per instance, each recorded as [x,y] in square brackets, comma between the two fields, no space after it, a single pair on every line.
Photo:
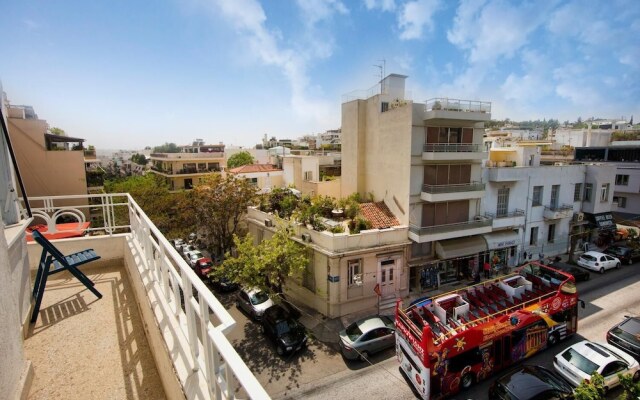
[502,249]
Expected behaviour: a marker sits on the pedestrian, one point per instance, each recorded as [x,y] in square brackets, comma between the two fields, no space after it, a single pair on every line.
[487,269]
[541,256]
[524,256]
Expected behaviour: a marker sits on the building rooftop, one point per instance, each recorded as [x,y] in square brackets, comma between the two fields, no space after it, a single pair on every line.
[379,215]
[252,168]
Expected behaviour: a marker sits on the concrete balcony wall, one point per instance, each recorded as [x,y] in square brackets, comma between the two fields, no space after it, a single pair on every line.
[439,193]
[507,222]
[558,212]
[454,156]
[471,116]
[508,174]
[450,231]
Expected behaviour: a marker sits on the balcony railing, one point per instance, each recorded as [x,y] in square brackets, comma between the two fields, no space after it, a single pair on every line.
[453,188]
[479,222]
[452,148]
[512,214]
[175,156]
[185,302]
[556,208]
[446,104]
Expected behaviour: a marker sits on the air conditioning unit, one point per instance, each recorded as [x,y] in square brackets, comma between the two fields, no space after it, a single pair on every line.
[578,217]
[268,223]
[306,237]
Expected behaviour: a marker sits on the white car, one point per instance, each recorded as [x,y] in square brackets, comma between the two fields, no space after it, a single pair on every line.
[186,249]
[177,244]
[253,301]
[599,262]
[193,256]
[578,362]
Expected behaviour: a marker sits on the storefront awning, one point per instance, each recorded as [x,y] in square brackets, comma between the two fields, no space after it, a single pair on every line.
[604,221]
[501,240]
[461,247]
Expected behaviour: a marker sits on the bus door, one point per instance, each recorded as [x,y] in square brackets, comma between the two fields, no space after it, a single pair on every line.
[506,351]
[497,353]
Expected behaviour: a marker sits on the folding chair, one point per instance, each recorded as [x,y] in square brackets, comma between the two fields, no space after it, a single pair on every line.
[53,261]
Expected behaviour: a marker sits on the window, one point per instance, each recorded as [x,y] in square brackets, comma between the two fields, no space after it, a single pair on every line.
[355,272]
[533,237]
[604,192]
[552,233]
[537,196]
[588,188]
[622,180]
[308,175]
[577,192]
[555,195]
[503,202]
[622,201]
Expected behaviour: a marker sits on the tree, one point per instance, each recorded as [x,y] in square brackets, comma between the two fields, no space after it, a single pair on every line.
[592,389]
[57,131]
[167,148]
[239,159]
[267,265]
[219,204]
[139,159]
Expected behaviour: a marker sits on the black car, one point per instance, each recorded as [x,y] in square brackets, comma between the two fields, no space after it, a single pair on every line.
[625,254]
[288,334]
[530,382]
[626,336]
[578,273]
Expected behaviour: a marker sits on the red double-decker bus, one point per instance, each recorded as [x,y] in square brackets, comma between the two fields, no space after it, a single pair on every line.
[447,342]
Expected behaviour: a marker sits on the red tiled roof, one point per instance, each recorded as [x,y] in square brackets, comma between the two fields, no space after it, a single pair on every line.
[379,215]
[250,168]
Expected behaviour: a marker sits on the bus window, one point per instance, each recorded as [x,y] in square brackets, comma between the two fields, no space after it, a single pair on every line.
[497,352]
[459,362]
[506,350]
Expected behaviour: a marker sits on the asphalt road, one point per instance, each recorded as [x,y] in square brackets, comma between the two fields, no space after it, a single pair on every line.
[320,372]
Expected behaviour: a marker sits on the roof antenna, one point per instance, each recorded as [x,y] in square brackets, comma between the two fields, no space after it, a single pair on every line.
[382,67]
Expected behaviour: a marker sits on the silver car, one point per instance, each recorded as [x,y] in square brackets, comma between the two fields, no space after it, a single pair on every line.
[367,336]
[597,261]
[193,256]
[253,301]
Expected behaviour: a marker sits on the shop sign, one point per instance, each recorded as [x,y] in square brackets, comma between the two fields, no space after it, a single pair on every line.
[505,243]
[333,278]
[605,221]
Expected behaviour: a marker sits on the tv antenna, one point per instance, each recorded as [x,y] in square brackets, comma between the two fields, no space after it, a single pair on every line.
[382,67]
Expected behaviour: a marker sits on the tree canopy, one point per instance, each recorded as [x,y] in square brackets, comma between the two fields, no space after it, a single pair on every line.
[218,204]
[57,131]
[267,265]
[139,159]
[239,159]
[167,148]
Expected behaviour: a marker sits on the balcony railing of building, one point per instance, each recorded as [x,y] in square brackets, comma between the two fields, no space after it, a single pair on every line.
[512,214]
[187,302]
[446,104]
[453,188]
[556,208]
[453,148]
[176,156]
[478,222]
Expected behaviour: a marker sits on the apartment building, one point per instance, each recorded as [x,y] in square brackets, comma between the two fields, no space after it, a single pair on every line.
[184,169]
[313,174]
[263,176]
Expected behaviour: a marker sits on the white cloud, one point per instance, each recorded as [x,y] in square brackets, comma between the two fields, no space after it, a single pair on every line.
[318,10]
[384,5]
[533,84]
[415,17]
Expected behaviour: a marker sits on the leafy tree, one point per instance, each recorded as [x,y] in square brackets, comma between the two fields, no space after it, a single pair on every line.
[219,204]
[57,131]
[239,159]
[267,265]
[167,148]
[593,389]
[631,388]
[139,159]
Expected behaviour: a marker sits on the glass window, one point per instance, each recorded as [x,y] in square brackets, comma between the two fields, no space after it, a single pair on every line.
[604,192]
[622,201]
[355,272]
[503,202]
[537,196]
[555,195]
[577,192]
[622,180]
[579,361]
[552,233]
[588,188]
[533,239]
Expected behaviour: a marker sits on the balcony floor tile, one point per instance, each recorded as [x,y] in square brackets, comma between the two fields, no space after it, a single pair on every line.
[85,348]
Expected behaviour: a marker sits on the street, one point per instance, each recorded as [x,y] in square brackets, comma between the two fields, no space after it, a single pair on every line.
[320,372]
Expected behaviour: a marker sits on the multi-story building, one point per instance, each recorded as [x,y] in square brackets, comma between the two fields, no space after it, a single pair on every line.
[184,169]
[264,176]
[312,174]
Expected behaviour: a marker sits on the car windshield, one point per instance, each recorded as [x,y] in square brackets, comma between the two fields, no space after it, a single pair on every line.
[353,331]
[259,298]
[588,257]
[196,255]
[552,379]
[284,327]
[629,330]
[388,322]
[579,361]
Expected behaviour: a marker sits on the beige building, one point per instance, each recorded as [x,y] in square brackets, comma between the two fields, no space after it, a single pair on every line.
[311,174]
[424,161]
[185,169]
[264,176]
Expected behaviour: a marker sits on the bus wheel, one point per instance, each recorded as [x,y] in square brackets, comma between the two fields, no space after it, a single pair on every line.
[552,340]
[466,381]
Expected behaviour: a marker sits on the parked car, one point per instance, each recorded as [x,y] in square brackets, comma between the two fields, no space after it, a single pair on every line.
[530,382]
[177,244]
[223,284]
[367,336]
[626,336]
[625,254]
[288,334]
[194,256]
[579,361]
[579,274]
[187,248]
[597,261]
[203,267]
[253,301]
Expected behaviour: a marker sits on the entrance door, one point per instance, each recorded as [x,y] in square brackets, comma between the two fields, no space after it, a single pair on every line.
[387,278]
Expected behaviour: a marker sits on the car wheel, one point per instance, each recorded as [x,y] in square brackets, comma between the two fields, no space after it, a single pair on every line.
[466,381]
[602,270]
[364,356]
[618,266]
[280,350]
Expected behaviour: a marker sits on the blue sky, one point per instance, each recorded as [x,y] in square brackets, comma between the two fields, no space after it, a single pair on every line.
[127,74]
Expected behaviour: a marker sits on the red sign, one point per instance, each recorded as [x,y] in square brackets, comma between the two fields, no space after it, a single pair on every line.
[377,289]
